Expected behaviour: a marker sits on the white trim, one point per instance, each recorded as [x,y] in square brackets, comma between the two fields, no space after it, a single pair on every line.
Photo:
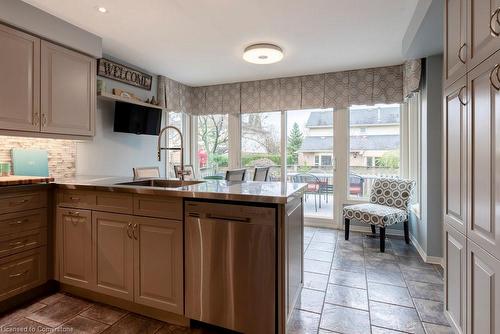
[423,254]
[321,222]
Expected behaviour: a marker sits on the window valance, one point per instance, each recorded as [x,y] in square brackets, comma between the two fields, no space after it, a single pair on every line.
[412,72]
[328,90]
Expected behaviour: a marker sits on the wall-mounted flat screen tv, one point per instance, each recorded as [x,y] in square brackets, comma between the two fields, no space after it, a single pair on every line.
[133,118]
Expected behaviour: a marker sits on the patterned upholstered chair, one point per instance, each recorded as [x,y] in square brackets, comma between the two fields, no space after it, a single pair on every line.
[390,199]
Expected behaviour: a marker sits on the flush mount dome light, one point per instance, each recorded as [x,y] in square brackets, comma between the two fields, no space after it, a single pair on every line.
[263,54]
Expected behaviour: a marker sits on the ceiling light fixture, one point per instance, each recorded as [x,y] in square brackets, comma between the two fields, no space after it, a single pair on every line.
[263,54]
[102,10]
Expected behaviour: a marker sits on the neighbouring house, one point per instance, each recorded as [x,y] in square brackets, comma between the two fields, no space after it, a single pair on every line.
[374,139]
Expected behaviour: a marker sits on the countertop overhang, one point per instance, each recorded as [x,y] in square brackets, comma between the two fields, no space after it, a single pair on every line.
[247,191]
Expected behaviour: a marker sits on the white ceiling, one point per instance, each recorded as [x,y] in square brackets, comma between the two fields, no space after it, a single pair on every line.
[200,42]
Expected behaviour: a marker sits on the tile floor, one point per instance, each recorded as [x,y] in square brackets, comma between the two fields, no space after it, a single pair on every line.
[350,287]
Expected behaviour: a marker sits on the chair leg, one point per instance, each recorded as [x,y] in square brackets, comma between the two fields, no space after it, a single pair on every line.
[382,239]
[320,200]
[407,232]
[373,229]
[346,227]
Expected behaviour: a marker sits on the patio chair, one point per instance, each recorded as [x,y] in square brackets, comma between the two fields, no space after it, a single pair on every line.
[236,174]
[313,186]
[390,199]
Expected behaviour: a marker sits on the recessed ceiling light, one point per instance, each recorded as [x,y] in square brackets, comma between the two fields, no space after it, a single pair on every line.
[102,10]
[263,53]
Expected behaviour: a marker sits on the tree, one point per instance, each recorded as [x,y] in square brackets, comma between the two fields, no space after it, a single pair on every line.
[389,159]
[294,143]
[258,129]
[213,134]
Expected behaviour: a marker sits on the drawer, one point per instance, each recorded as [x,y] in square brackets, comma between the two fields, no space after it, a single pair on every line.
[22,272]
[25,221]
[161,207]
[21,201]
[114,202]
[76,199]
[22,241]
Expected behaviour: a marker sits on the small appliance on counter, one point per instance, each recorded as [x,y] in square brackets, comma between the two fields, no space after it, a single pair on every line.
[30,162]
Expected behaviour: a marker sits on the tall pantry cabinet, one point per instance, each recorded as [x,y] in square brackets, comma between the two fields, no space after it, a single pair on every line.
[471,111]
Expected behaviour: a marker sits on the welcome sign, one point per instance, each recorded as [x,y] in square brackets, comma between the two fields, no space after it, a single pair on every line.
[109,69]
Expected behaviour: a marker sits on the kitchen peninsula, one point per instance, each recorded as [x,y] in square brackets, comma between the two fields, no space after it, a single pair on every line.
[224,253]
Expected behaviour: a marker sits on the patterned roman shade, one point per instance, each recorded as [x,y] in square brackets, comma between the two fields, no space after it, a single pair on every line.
[412,71]
[337,90]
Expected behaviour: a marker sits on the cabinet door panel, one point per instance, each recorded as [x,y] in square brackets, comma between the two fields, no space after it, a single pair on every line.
[481,24]
[20,84]
[68,91]
[455,20]
[158,260]
[455,153]
[455,277]
[483,313]
[75,247]
[484,110]
[114,254]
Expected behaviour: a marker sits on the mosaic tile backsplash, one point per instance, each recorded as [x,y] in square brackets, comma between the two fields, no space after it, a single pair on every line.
[62,153]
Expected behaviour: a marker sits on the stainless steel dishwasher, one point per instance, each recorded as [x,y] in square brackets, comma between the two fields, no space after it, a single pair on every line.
[231,266]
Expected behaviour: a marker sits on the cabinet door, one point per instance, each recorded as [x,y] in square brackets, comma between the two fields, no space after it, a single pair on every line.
[158,261]
[114,254]
[483,30]
[483,293]
[75,247]
[455,276]
[484,111]
[20,83]
[68,95]
[455,47]
[455,153]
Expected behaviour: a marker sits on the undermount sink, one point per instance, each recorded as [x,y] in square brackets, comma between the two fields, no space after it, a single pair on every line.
[160,183]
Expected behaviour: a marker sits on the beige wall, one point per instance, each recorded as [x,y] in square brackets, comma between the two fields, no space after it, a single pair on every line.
[62,153]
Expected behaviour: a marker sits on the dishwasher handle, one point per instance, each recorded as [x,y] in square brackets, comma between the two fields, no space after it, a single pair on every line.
[220,217]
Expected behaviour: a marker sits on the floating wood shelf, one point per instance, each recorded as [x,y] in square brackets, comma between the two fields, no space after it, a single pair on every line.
[113,97]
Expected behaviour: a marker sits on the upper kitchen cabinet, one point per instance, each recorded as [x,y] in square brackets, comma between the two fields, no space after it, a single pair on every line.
[455,35]
[20,84]
[483,30]
[68,92]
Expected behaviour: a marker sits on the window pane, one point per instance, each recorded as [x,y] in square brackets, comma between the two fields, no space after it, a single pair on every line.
[173,158]
[374,146]
[261,144]
[310,156]
[212,155]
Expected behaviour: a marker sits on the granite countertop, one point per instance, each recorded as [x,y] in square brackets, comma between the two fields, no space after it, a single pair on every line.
[249,191]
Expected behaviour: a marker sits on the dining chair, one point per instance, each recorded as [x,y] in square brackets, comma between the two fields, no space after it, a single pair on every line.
[188,169]
[146,172]
[236,174]
[261,173]
[390,200]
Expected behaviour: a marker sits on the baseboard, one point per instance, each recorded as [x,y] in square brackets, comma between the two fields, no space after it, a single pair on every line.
[423,254]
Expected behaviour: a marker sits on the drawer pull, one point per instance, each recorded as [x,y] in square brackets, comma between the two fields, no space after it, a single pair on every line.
[133,231]
[494,33]
[495,69]
[74,198]
[19,202]
[18,222]
[73,213]
[129,226]
[17,243]
[460,53]
[18,274]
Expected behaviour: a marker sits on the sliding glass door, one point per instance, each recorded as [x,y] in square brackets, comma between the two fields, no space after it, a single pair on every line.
[310,158]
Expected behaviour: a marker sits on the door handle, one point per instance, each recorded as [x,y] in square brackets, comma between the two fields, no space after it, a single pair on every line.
[460,96]
[129,226]
[460,53]
[495,69]
[133,231]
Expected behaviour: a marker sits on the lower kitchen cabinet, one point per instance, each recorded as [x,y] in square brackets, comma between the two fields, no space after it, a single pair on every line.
[158,261]
[74,229]
[483,293]
[114,254]
[455,278]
